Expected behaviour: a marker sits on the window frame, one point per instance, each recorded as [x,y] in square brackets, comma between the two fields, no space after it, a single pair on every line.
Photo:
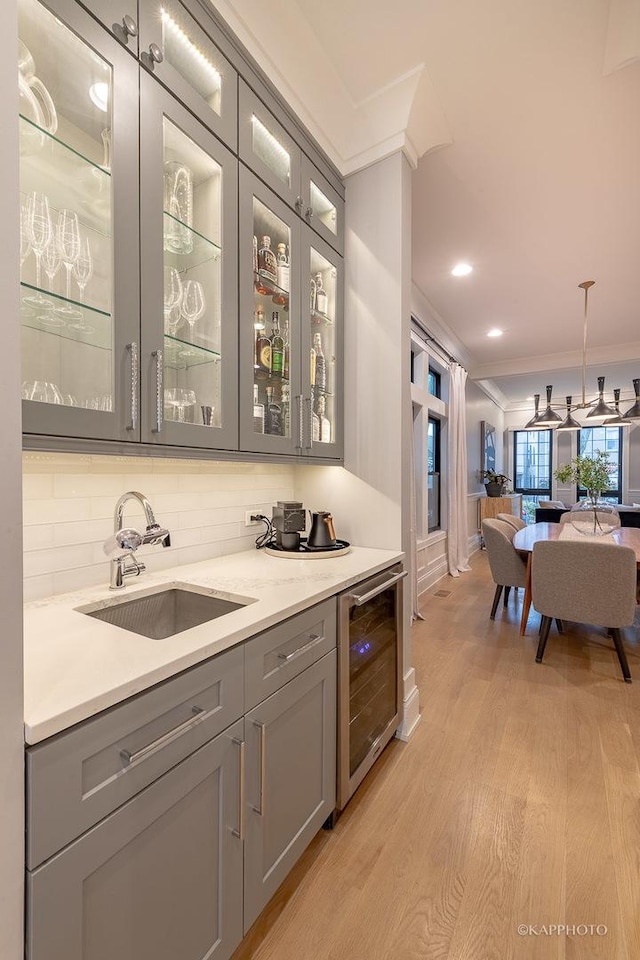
[545,492]
[611,493]
[436,472]
[434,376]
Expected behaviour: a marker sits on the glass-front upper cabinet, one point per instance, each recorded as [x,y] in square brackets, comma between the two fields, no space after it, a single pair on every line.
[322,343]
[270,376]
[323,207]
[189,277]
[180,52]
[78,179]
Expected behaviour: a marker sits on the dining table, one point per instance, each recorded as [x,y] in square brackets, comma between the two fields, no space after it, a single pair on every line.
[525,540]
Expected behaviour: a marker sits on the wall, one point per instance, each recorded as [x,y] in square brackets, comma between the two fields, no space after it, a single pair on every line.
[69,502]
[11,728]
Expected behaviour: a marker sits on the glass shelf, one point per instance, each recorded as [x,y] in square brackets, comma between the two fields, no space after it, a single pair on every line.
[31,133]
[272,290]
[99,335]
[182,354]
[261,376]
[199,249]
[320,318]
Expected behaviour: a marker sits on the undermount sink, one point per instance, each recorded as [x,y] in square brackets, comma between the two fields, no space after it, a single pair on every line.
[161,613]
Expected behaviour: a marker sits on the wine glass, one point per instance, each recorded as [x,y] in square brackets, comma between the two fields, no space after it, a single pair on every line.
[82,269]
[173,293]
[180,399]
[39,231]
[68,240]
[51,261]
[192,307]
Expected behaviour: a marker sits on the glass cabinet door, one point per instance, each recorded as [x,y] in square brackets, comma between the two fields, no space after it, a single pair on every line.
[270,396]
[189,277]
[323,207]
[267,149]
[322,343]
[78,179]
[183,56]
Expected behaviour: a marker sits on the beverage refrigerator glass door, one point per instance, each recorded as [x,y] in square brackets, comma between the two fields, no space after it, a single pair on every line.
[369,674]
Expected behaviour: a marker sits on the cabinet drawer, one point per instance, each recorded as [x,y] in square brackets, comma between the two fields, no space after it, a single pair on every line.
[78,777]
[279,654]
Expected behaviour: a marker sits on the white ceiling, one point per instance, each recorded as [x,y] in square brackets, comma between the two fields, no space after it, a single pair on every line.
[526,116]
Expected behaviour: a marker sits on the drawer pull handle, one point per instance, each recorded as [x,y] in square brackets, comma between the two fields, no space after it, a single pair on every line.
[130,758]
[263,759]
[311,642]
[239,833]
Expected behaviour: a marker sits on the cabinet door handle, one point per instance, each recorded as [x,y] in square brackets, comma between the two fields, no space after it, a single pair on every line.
[263,753]
[359,598]
[239,833]
[309,443]
[311,642]
[133,351]
[155,53]
[300,422]
[129,26]
[299,204]
[157,355]
[308,213]
[130,758]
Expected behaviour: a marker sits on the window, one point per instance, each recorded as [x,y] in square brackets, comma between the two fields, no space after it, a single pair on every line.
[433,384]
[532,468]
[609,440]
[433,473]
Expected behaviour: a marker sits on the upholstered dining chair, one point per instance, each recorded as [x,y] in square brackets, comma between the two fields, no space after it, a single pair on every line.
[585,581]
[508,569]
[511,518]
[612,520]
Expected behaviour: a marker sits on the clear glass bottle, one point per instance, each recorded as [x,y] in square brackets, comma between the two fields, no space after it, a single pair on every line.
[255,254]
[267,266]
[272,415]
[321,296]
[259,323]
[277,347]
[320,380]
[258,411]
[312,295]
[315,426]
[263,352]
[325,423]
[283,267]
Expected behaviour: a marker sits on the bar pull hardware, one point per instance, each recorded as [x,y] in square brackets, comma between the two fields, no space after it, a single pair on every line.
[263,754]
[309,444]
[157,355]
[161,741]
[311,642]
[133,350]
[359,599]
[298,400]
[239,833]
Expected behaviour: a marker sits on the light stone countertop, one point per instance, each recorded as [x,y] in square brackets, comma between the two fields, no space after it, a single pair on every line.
[75,665]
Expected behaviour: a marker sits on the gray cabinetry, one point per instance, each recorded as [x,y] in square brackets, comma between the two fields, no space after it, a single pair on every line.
[291,783]
[118,16]
[161,877]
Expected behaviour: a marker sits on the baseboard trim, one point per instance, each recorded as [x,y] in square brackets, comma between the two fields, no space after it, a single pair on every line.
[410,715]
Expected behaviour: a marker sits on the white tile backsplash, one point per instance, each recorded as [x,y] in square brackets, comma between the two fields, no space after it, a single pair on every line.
[69,502]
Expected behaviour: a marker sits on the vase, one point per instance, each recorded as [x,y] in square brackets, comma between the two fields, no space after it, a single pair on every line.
[594,517]
[494,489]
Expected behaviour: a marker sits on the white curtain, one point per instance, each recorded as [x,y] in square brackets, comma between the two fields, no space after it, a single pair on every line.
[415,604]
[457,535]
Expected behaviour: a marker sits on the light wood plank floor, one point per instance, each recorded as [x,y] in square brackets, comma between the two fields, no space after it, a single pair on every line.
[517,801]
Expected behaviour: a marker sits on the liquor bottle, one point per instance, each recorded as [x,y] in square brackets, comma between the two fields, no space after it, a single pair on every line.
[272,415]
[263,352]
[267,266]
[325,423]
[285,337]
[321,296]
[320,364]
[312,295]
[259,323]
[277,347]
[255,254]
[315,426]
[286,410]
[283,267]
[258,411]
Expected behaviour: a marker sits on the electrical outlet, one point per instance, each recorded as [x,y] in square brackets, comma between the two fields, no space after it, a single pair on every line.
[248,518]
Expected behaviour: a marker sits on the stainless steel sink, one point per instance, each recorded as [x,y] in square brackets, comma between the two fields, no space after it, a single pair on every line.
[162,613]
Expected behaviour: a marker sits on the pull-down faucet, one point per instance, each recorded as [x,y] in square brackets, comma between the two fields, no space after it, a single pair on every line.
[125,540]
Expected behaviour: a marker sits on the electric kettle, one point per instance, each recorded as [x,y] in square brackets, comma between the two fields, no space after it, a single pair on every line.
[322,533]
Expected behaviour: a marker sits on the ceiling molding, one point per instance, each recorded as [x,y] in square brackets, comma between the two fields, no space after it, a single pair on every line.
[615,353]
[426,313]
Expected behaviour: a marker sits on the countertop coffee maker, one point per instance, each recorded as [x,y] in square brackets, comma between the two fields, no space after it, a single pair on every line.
[289,520]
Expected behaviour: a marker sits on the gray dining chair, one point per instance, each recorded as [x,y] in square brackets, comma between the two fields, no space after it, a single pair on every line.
[508,569]
[511,518]
[584,581]
[612,520]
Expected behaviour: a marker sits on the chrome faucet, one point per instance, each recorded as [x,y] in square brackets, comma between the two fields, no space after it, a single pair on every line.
[125,540]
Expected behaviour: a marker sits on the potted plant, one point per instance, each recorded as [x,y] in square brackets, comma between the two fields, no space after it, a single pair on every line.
[494,482]
[593,475]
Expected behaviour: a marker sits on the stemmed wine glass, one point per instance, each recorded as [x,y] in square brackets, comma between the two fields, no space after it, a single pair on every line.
[173,293]
[180,399]
[82,271]
[68,240]
[39,231]
[51,262]
[193,306]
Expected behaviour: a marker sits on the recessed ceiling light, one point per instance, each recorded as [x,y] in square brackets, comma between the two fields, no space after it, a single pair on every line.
[495,332]
[99,93]
[462,270]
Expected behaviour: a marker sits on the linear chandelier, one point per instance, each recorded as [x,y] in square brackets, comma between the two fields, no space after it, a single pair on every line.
[598,409]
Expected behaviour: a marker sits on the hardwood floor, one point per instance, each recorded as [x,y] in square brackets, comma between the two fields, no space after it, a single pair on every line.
[517,801]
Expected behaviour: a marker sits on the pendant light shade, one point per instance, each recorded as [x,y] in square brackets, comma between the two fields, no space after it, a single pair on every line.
[618,420]
[569,423]
[533,423]
[601,409]
[633,413]
[549,418]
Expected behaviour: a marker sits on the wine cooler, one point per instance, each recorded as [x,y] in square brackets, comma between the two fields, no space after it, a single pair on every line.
[370,675]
